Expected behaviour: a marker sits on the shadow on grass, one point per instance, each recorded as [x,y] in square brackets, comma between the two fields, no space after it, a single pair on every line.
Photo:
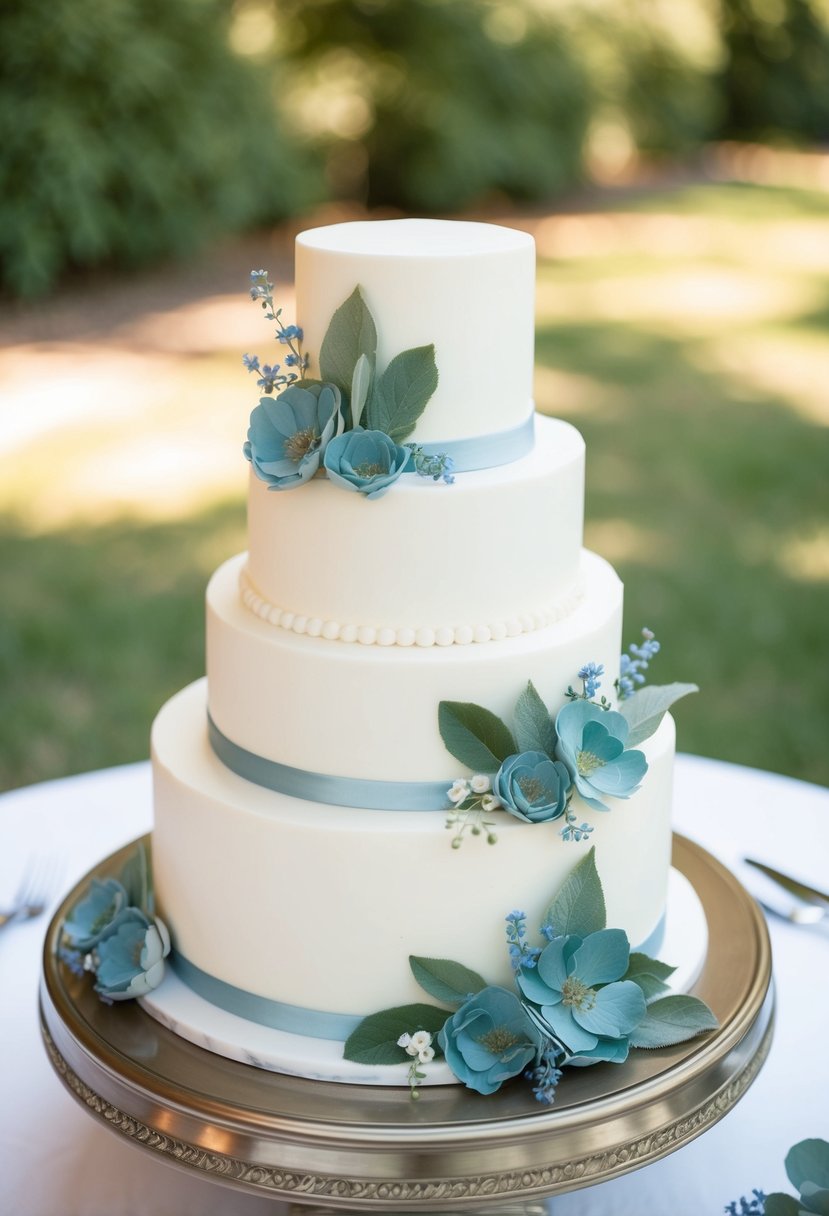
[710,487]
[98,626]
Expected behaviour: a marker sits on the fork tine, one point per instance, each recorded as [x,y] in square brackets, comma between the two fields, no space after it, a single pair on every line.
[42,881]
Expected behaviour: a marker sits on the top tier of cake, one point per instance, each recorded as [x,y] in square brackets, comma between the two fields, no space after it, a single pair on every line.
[468,288]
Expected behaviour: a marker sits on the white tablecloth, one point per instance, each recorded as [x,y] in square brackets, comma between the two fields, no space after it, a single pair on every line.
[57,1160]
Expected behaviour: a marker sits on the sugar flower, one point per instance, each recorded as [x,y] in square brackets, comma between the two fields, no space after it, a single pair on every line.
[489,1039]
[94,915]
[532,787]
[591,743]
[289,434]
[366,461]
[130,961]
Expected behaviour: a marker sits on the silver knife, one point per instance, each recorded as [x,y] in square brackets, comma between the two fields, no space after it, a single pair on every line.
[801,890]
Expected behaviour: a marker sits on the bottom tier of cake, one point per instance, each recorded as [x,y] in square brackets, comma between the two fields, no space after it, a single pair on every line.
[303,916]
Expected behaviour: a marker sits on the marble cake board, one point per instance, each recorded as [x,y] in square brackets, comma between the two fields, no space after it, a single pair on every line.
[192,1017]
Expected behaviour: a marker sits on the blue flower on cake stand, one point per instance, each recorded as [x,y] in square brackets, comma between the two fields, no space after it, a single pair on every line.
[574,991]
[532,787]
[93,916]
[288,434]
[366,461]
[591,742]
[130,961]
[489,1039]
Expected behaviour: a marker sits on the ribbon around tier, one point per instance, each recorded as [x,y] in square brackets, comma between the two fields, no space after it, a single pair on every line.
[486,451]
[321,787]
[311,1023]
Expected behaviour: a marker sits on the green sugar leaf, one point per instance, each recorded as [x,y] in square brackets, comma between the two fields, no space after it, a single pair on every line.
[374,1041]
[640,964]
[808,1161]
[646,708]
[534,729]
[401,394]
[652,988]
[352,333]
[673,1019]
[446,981]
[360,386]
[579,906]
[778,1204]
[136,878]
[474,735]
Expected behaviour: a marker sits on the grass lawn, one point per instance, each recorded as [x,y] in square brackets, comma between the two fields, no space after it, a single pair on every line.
[683,332]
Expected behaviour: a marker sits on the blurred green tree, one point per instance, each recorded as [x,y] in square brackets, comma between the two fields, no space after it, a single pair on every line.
[129,130]
[435,104]
[775,79]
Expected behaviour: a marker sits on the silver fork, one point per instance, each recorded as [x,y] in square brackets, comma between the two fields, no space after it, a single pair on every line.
[39,881]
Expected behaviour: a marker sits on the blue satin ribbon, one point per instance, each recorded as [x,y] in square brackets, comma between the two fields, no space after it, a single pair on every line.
[312,1023]
[486,451]
[320,787]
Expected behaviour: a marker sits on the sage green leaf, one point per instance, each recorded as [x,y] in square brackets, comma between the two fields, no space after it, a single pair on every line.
[374,1041]
[534,728]
[352,333]
[673,1019]
[446,981]
[401,394]
[136,878]
[640,964]
[808,1161]
[474,735]
[778,1204]
[647,707]
[651,987]
[579,905]
[360,386]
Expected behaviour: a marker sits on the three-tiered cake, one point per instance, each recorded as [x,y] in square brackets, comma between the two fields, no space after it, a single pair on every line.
[299,850]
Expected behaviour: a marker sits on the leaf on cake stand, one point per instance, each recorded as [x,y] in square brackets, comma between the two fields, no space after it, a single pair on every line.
[375,1040]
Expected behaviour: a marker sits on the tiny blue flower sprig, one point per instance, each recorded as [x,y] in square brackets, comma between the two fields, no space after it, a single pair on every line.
[634,664]
[581,996]
[534,769]
[113,933]
[351,423]
[807,1167]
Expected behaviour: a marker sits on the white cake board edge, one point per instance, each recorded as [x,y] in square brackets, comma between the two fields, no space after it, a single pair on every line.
[191,1017]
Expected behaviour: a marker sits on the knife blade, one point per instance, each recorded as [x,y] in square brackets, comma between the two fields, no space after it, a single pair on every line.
[794,886]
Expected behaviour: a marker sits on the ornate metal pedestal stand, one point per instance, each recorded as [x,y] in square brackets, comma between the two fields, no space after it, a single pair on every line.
[361,1148]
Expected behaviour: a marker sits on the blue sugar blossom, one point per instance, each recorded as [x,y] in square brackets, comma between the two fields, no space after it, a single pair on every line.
[633,665]
[289,332]
[366,461]
[591,743]
[574,992]
[521,953]
[546,1075]
[489,1039]
[93,916]
[130,961]
[289,434]
[589,674]
[532,787]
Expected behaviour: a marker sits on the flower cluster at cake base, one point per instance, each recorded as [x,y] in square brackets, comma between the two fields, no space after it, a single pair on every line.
[807,1167]
[581,997]
[112,933]
[533,769]
[351,423]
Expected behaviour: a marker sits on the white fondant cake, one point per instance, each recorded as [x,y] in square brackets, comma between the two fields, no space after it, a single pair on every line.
[298,858]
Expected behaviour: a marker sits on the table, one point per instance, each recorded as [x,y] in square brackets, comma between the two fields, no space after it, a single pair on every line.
[55,1160]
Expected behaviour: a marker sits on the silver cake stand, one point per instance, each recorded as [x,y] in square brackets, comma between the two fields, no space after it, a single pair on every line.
[362,1148]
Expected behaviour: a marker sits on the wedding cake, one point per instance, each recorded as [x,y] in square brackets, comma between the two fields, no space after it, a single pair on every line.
[374,649]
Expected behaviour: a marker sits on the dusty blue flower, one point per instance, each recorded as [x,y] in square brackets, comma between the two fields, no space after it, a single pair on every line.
[130,961]
[366,461]
[489,1039]
[532,787]
[288,434]
[589,675]
[574,992]
[90,919]
[591,743]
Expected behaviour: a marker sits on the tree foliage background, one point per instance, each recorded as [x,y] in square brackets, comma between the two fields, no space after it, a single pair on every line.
[137,129]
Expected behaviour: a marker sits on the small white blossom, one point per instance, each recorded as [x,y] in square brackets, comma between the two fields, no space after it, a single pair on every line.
[459,791]
[421,1040]
[426,1054]
[480,783]
[490,803]
[404,1040]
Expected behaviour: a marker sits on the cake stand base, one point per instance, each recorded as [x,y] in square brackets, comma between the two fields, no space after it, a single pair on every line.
[358,1148]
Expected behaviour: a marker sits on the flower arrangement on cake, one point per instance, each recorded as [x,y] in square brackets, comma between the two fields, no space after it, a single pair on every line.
[350,424]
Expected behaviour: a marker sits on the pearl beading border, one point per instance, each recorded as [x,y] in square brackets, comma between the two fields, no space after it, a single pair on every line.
[406,635]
